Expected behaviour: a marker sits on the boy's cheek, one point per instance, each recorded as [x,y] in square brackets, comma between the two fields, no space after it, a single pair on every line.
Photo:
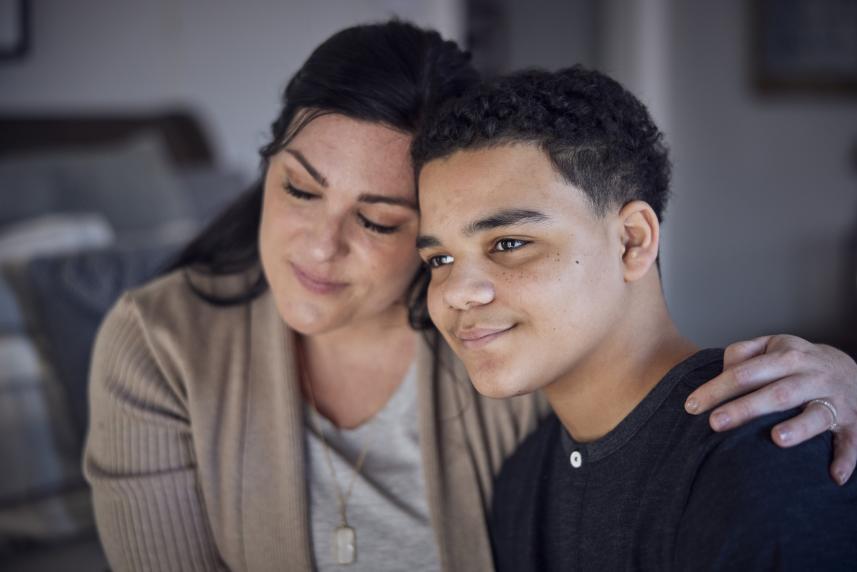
[435,307]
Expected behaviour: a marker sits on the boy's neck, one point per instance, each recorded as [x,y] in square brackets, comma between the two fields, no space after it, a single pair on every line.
[610,382]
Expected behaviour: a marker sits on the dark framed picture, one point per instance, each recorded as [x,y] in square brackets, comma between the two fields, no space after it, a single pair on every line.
[804,45]
[14,28]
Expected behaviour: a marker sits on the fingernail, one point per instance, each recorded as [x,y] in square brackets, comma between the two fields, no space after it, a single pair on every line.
[691,405]
[720,420]
[784,435]
[841,477]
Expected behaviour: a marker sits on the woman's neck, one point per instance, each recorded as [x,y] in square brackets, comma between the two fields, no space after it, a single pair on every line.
[355,370]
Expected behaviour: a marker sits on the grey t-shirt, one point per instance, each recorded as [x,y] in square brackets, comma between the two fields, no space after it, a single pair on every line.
[388,507]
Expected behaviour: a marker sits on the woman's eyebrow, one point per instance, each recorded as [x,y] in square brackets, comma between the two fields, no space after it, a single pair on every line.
[364,198]
[313,172]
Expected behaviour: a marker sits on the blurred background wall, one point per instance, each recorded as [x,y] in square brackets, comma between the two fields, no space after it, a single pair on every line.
[227,61]
[759,236]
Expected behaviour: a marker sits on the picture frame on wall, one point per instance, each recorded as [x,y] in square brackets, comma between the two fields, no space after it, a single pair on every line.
[14,29]
[805,46]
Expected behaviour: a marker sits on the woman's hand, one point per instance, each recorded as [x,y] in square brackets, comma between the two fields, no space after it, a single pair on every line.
[775,373]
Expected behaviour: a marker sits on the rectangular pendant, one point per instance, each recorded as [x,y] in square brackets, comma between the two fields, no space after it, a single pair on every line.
[345,544]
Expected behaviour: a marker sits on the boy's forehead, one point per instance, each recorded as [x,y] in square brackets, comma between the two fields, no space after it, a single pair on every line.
[478,182]
[485,173]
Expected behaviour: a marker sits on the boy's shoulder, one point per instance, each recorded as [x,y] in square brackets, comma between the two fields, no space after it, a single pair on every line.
[694,371]
[743,461]
[751,503]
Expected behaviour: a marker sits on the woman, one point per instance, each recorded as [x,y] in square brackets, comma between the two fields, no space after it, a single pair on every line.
[266,406]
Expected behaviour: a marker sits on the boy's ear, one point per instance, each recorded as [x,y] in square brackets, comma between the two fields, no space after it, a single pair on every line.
[640,239]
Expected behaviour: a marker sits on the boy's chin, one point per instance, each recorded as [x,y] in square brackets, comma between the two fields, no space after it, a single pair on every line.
[501,387]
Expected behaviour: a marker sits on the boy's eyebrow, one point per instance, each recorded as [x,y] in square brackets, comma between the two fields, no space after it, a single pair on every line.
[426,241]
[313,172]
[509,217]
[503,218]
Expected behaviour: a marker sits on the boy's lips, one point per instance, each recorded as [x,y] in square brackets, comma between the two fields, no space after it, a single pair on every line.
[314,283]
[477,337]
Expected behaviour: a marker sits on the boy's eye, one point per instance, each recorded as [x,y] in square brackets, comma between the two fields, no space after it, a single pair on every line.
[440,260]
[299,194]
[375,227]
[505,244]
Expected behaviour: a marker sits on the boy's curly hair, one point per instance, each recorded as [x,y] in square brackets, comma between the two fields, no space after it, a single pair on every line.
[598,136]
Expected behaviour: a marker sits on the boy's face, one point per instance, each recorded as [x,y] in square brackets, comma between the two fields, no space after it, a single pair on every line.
[526,280]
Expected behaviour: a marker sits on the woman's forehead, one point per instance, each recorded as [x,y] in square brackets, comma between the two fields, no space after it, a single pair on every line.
[346,152]
[335,131]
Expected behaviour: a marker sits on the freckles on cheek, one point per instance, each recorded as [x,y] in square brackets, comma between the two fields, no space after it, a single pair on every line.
[550,272]
[556,292]
[523,288]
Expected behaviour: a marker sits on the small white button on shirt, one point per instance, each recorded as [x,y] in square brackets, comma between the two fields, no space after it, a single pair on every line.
[576,459]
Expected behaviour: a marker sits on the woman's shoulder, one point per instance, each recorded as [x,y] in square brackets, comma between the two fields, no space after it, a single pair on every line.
[172,337]
[186,290]
[187,299]
[171,314]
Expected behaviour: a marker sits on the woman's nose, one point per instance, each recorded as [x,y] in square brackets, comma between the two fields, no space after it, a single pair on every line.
[326,240]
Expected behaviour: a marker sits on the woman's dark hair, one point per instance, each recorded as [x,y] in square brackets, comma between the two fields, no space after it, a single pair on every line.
[390,73]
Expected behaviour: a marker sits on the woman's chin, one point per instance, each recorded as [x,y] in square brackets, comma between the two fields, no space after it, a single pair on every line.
[309,319]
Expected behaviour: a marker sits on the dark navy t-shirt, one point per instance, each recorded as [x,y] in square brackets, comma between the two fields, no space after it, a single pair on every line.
[662,491]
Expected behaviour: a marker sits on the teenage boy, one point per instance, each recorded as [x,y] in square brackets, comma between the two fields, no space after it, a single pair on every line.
[541,196]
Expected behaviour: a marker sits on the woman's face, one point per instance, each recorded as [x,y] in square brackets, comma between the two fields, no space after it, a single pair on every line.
[339,224]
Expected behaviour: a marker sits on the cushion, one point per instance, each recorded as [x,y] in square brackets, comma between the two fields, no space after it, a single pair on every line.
[54,304]
[66,298]
[27,189]
[132,184]
[211,189]
[53,233]
[10,314]
[40,489]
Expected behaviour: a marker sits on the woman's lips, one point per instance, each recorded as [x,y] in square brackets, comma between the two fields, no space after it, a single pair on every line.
[316,284]
[475,338]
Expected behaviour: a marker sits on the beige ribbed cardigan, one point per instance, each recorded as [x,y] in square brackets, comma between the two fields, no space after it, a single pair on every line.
[195,451]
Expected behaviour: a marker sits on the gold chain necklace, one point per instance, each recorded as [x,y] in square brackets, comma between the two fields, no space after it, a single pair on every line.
[344,537]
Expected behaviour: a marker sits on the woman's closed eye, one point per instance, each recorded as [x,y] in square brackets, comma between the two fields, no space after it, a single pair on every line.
[375,227]
[299,194]
[364,221]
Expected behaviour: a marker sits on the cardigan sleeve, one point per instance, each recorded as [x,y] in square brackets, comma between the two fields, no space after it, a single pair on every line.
[139,458]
